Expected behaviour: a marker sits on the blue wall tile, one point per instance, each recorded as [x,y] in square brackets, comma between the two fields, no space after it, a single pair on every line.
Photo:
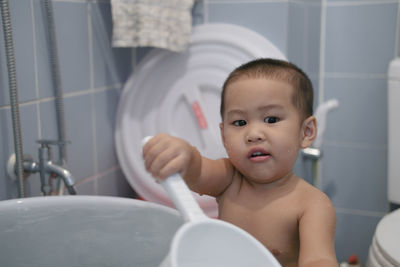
[114,183]
[73,44]
[79,127]
[304,36]
[297,37]
[360,38]
[355,177]
[354,235]
[361,116]
[86,187]
[29,129]
[6,149]
[43,67]
[314,80]
[22,34]
[105,108]
[48,120]
[23,45]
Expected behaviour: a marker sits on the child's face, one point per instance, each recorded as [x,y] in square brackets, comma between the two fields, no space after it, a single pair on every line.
[261,128]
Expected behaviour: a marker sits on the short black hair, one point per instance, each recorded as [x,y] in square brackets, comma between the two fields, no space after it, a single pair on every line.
[275,69]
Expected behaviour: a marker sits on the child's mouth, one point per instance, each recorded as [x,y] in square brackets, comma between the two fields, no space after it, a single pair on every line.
[258,154]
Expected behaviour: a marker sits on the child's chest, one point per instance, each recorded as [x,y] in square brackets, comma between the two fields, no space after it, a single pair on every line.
[273,221]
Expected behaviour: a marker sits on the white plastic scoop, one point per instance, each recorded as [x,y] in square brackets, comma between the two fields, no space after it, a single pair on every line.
[203,241]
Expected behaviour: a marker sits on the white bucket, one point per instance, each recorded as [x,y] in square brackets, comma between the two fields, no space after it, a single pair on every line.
[75,231]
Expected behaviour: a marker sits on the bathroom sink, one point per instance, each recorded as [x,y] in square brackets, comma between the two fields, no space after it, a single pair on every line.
[85,231]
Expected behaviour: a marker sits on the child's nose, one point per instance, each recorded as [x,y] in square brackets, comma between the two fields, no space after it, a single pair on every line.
[254,135]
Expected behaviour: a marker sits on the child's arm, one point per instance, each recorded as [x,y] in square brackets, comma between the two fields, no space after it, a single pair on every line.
[317,234]
[165,155]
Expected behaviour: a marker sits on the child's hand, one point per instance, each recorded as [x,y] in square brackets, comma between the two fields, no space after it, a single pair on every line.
[165,155]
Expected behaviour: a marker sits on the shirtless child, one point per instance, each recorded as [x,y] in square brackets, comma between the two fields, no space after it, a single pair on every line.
[267,117]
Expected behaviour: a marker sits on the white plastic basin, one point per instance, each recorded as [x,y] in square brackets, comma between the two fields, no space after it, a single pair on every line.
[85,231]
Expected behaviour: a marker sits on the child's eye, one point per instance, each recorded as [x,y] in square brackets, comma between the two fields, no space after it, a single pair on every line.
[271,119]
[239,123]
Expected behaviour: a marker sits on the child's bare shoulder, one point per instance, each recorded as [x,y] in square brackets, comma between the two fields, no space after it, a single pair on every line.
[313,198]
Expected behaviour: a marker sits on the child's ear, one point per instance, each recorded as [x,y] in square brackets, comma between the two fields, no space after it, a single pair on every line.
[308,132]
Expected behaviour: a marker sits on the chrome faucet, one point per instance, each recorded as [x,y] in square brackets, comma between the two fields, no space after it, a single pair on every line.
[47,167]
[311,153]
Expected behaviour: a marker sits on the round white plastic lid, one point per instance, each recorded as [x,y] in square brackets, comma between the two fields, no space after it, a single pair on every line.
[387,237]
[179,94]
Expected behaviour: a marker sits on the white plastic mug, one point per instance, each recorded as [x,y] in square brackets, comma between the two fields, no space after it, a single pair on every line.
[203,241]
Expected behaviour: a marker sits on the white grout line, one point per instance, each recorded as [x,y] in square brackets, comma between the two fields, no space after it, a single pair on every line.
[396,42]
[94,139]
[115,86]
[92,95]
[354,145]
[96,176]
[346,75]
[368,213]
[247,1]
[35,69]
[72,1]
[360,3]
[306,56]
[90,48]
[73,94]
[321,83]
[322,43]
[308,2]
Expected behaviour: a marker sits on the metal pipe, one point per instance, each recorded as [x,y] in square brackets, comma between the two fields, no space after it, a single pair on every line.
[12,80]
[311,153]
[43,158]
[56,77]
[58,94]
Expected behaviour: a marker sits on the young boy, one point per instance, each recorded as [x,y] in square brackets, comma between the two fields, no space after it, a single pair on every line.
[267,116]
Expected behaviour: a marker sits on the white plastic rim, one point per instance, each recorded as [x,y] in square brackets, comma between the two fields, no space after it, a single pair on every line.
[387,238]
[179,94]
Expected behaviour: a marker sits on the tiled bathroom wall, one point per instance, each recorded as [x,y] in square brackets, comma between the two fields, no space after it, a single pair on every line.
[92,75]
[345,46]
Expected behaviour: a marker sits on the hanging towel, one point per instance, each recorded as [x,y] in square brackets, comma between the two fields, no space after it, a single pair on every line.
[158,23]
